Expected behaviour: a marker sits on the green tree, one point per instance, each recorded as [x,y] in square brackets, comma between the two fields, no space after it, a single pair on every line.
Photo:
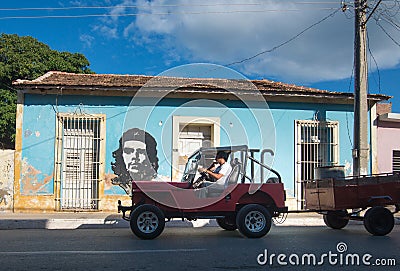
[27,58]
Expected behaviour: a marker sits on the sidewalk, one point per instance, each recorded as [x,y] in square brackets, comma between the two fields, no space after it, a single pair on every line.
[66,220]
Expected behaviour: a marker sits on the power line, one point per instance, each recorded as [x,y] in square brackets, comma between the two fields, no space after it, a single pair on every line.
[376,64]
[156,6]
[387,34]
[388,11]
[389,18]
[391,22]
[349,90]
[287,41]
[152,14]
[372,12]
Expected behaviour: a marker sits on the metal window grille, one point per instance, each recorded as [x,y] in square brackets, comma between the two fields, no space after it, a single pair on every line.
[80,162]
[317,145]
[396,161]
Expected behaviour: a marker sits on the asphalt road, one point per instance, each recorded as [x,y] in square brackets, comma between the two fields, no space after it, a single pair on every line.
[208,248]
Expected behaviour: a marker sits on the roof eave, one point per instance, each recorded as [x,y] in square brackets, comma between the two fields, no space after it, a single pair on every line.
[273,95]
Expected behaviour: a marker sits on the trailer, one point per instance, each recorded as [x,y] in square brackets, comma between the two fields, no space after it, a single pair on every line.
[339,200]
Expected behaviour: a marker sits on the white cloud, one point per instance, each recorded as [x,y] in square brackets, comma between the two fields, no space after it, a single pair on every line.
[110,32]
[120,9]
[323,53]
[87,40]
[75,3]
[109,26]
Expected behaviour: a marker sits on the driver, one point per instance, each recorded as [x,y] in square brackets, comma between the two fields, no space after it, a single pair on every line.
[217,173]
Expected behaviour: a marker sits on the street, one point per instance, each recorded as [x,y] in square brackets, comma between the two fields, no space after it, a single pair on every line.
[209,248]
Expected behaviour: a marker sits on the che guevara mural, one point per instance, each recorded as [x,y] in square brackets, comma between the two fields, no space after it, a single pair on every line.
[135,159]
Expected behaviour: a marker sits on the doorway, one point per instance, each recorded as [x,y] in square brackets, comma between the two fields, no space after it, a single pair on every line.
[190,134]
[317,144]
[78,148]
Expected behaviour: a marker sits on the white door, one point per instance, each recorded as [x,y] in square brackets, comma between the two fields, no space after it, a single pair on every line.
[186,147]
[191,138]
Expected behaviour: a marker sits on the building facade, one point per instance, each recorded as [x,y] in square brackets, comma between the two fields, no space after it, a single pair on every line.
[388,147]
[72,130]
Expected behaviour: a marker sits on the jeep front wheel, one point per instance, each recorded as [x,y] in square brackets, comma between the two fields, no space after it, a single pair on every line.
[253,221]
[147,221]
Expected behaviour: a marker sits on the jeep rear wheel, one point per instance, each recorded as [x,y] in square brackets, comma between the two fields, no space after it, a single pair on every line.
[336,219]
[227,223]
[147,221]
[253,221]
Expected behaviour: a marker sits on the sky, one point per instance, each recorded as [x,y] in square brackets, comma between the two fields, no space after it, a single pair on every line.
[307,43]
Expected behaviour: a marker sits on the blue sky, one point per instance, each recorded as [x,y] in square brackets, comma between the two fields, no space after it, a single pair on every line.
[149,37]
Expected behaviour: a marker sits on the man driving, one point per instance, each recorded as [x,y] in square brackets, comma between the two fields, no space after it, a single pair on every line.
[220,172]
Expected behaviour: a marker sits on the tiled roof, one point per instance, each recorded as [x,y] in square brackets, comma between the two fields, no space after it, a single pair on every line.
[54,79]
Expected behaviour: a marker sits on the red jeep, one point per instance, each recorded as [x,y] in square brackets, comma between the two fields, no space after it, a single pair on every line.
[241,202]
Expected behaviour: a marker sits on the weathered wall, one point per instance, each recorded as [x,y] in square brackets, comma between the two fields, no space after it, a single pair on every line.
[6,180]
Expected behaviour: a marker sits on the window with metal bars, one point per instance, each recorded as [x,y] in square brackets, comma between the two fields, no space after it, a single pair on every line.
[396,161]
[79,138]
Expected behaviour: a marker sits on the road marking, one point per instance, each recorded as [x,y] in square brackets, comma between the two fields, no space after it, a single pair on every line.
[27,253]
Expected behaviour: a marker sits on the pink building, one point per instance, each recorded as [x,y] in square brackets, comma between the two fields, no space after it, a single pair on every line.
[388,140]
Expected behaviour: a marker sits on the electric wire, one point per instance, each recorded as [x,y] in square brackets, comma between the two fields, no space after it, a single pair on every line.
[376,64]
[387,34]
[391,22]
[348,13]
[387,10]
[347,118]
[154,14]
[285,42]
[156,6]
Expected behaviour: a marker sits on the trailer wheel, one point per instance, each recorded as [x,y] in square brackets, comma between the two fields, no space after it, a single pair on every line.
[336,219]
[227,223]
[253,221]
[378,221]
[147,221]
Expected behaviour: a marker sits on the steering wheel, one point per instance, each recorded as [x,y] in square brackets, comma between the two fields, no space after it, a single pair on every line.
[205,175]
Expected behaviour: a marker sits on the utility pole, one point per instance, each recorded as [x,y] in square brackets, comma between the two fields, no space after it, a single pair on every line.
[361,146]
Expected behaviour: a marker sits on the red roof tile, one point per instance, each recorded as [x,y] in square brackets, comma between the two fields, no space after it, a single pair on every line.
[54,79]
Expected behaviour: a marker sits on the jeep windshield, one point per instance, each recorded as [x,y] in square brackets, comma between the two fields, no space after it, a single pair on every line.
[191,167]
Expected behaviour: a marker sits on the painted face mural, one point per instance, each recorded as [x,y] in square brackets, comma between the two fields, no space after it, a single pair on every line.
[135,159]
[134,154]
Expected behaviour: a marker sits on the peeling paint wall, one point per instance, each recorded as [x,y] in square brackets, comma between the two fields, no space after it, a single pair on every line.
[37,157]
[33,182]
[6,180]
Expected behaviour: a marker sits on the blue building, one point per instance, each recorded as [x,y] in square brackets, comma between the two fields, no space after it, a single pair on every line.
[72,130]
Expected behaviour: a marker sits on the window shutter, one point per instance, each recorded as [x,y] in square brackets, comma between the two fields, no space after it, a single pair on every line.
[396,161]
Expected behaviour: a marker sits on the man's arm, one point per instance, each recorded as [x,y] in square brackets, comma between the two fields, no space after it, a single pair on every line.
[215,175]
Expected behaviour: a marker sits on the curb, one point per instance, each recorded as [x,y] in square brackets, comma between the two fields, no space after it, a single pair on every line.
[72,224]
[61,224]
